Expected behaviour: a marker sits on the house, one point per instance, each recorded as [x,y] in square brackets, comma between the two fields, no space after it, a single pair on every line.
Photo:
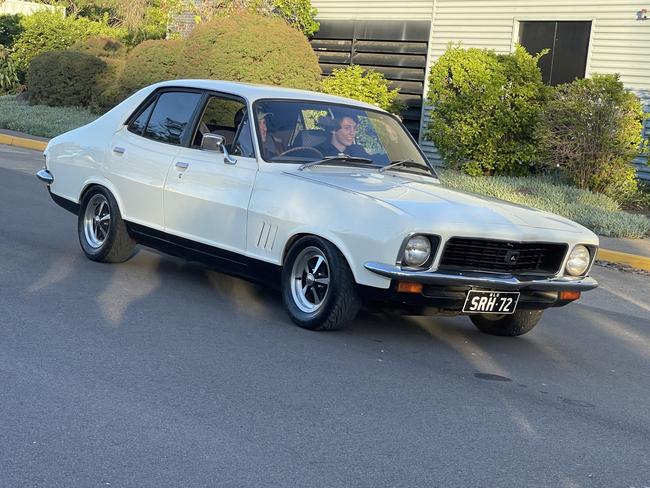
[12,7]
[402,39]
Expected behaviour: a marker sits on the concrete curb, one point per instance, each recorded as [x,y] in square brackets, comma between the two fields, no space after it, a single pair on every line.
[22,142]
[633,260]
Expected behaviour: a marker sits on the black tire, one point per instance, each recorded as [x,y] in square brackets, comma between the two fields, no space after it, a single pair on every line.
[519,323]
[111,242]
[341,301]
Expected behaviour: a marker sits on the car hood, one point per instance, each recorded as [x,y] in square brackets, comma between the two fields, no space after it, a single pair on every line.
[426,198]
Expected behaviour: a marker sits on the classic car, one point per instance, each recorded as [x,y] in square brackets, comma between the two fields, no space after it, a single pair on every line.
[326,198]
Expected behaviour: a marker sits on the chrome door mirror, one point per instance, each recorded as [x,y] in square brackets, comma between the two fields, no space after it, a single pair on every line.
[213,142]
[216,142]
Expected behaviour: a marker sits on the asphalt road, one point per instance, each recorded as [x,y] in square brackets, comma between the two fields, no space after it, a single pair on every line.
[158,372]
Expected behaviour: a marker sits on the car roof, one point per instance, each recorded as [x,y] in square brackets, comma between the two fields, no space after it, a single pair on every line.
[254,92]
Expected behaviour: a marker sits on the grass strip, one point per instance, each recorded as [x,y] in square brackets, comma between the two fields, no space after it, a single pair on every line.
[597,212]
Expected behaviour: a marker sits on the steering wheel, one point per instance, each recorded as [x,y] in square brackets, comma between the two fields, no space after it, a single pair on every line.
[308,149]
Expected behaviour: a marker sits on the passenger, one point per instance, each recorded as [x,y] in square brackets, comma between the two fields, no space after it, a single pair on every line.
[270,147]
[344,131]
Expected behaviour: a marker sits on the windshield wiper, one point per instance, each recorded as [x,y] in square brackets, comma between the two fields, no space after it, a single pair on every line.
[409,163]
[340,157]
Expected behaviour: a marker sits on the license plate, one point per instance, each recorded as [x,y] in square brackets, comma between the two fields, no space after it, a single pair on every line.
[501,302]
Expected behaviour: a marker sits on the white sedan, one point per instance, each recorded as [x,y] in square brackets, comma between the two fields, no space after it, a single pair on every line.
[327,198]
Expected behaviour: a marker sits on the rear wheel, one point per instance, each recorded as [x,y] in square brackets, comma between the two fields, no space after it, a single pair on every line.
[318,288]
[102,232]
[519,323]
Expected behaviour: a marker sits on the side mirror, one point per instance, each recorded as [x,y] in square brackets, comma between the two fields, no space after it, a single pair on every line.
[213,142]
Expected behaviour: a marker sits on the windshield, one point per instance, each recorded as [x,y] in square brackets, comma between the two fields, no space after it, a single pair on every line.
[293,131]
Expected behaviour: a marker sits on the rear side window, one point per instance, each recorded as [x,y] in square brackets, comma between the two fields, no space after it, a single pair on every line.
[138,125]
[171,116]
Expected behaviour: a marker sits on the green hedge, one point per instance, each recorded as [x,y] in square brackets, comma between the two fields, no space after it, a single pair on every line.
[486,108]
[50,31]
[64,78]
[150,62]
[251,48]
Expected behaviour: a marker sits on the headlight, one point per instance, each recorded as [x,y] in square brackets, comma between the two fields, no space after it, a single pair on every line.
[417,251]
[579,260]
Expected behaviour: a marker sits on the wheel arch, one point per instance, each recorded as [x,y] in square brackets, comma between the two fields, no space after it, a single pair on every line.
[90,184]
[337,243]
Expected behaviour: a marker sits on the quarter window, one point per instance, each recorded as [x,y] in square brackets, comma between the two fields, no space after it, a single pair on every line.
[171,116]
[138,125]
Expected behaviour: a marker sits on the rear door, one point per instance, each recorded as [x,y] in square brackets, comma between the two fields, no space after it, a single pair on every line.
[144,149]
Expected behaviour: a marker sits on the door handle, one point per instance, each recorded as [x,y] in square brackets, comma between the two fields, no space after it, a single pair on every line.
[181,165]
[119,150]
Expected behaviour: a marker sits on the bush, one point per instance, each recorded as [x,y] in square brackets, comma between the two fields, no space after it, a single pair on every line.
[150,62]
[364,85]
[49,31]
[251,48]
[10,28]
[8,77]
[592,129]
[100,46]
[299,14]
[64,78]
[485,108]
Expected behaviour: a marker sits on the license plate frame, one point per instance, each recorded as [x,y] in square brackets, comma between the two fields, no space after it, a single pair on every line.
[491,302]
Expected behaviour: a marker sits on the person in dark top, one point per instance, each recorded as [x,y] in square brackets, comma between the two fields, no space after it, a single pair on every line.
[344,130]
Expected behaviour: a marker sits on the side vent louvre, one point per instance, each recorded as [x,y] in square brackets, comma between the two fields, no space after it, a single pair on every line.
[266,236]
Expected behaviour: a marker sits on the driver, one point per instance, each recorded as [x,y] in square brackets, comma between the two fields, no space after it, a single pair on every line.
[270,147]
[344,130]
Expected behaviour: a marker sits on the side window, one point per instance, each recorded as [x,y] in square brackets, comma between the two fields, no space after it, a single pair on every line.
[171,116]
[221,116]
[138,125]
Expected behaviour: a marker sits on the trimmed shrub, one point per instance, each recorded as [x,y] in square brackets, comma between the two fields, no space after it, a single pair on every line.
[485,109]
[592,130]
[150,62]
[100,46]
[49,31]
[364,85]
[8,77]
[251,48]
[64,78]
[10,28]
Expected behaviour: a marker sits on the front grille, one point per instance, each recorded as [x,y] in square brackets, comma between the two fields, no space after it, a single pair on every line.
[502,256]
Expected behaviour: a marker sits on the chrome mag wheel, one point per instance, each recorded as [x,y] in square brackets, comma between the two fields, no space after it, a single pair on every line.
[310,279]
[97,221]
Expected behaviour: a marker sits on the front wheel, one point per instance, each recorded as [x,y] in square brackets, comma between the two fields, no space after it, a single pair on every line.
[318,288]
[519,323]
[102,232]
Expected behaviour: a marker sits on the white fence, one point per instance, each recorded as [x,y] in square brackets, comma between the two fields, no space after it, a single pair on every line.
[26,8]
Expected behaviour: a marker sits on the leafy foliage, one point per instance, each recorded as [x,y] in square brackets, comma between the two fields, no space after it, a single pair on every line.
[100,46]
[299,14]
[364,85]
[592,129]
[595,211]
[485,110]
[64,78]
[10,28]
[49,31]
[251,48]
[150,62]
[8,77]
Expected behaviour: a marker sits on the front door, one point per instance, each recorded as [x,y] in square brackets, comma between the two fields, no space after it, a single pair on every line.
[206,195]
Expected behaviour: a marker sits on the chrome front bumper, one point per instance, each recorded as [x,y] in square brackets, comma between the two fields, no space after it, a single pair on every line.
[45,176]
[484,280]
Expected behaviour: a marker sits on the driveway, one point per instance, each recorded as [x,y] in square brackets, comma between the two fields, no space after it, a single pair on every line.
[159,372]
